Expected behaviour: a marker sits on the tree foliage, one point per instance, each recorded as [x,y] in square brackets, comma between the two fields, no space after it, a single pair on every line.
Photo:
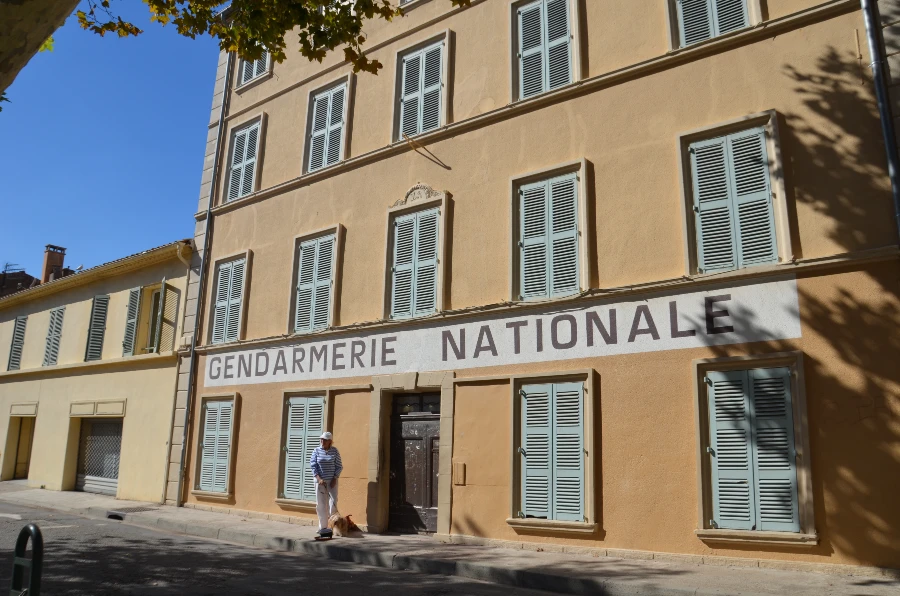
[248,26]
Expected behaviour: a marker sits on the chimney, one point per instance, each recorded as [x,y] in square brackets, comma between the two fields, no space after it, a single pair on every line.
[53,263]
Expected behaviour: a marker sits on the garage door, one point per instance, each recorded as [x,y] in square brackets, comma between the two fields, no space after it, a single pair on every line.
[98,456]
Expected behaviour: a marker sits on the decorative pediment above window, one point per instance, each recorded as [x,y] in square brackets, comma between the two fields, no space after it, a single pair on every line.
[420,193]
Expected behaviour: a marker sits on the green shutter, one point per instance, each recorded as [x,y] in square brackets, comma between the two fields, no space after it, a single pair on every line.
[157,336]
[531,50]
[534,265]
[18,341]
[730,439]
[432,74]
[216,446]
[752,198]
[335,150]
[545,55]
[420,90]
[97,328]
[414,284]
[536,467]
[425,287]
[54,335]
[730,15]
[315,264]
[315,426]
[131,321]
[235,300]
[404,265]
[243,162]
[714,219]
[548,261]
[699,20]
[220,308]
[326,141]
[250,69]
[411,95]
[774,453]
[318,132]
[559,55]
[304,426]
[564,235]
[568,452]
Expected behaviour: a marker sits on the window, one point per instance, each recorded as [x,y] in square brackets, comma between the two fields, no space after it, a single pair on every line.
[228,297]
[544,37]
[421,90]
[145,322]
[131,321]
[315,283]
[54,335]
[414,272]
[552,470]
[215,445]
[18,341]
[699,20]
[549,238]
[97,329]
[156,315]
[752,451]
[242,169]
[734,220]
[326,131]
[252,69]
[305,423]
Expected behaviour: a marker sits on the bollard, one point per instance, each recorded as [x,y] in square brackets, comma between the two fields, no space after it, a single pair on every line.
[35,564]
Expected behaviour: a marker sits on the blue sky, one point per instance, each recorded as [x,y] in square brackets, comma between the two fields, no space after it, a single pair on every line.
[101,145]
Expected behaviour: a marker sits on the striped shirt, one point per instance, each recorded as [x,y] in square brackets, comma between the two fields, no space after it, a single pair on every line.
[326,464]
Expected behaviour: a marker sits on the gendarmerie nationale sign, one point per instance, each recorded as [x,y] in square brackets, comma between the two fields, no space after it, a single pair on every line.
[716,315]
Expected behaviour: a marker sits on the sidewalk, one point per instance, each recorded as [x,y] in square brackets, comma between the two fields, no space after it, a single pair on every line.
[555,572]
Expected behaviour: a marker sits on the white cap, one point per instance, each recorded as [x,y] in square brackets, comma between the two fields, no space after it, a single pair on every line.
[325,436]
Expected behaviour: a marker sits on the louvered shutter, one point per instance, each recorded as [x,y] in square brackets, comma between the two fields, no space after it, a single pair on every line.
[534,268]
[160,316]
[208,447]
[752,198]
[243,162]
[431,88]
[54,336]
[315,264]
[411,91]
[235,300]
[97,328]
[223,446]
[404,266]
[250,69]
[699,20]
[774,453]
[531,50]
[315,425]
[18,341]
[425,287]
[295,467]
[712,205]
[537,428]
[131,320]
[220,309]
[319,133]
[326,142]
[564,235]
[730,440]
[730,15]
[216,448]
[335,150]
[568,452]
[559,55]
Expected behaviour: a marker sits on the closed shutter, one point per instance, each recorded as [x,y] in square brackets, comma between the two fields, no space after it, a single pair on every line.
[534,275]
[425,289]
[568,452]
[326,141]
[315,426]
[315,265]
[537,427]
[228,301]
[250,69]
[563,235]
[559,55]
[243,162]
[531,50]
[731,15]
[54,335]
[216,447]
[774,453]
[699,20]
[545,56]
[404,266]
[97,329]
[414,290]
[432,74]
[131,320]
[18,341]
[411,90]
[159,318]
[420,91]
[733,201]
[304,426]
[220,309]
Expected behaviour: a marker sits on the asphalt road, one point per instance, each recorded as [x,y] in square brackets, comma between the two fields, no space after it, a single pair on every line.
[99,557]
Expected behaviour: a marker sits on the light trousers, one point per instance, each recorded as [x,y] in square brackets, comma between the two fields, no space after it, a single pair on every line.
[326,507]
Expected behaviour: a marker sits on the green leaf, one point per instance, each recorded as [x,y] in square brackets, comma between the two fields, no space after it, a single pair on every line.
[47,46]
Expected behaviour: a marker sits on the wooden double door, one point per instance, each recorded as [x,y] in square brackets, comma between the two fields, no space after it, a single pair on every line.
[415,447]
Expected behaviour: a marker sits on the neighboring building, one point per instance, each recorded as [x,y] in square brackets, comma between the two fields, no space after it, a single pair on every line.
[88,370]
[617,274]
[14,280]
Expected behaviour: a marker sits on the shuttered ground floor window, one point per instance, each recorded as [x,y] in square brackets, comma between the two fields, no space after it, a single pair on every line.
[304,424]
[215,445]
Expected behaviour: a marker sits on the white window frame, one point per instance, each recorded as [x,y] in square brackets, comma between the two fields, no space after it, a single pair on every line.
[247,255]
[338,232]
[260,120]
[241,85]
[756,10]
[349,80]
[446,38]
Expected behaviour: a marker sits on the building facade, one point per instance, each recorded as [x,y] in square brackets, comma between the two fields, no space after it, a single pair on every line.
[89,372]
[617,275]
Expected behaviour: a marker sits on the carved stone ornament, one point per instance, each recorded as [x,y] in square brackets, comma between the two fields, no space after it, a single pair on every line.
[420,192]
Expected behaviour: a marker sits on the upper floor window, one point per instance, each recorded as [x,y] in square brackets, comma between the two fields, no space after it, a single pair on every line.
[242,165]
[421,90]
[18,341]
[145,321]
[97,328]
[414,274]
[315,283]
[228,300]
[252,69]
[54,335]
[699,20]
[326,129]
[544,46]
[734,218]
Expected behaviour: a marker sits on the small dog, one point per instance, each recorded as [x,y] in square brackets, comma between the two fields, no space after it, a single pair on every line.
[338,524]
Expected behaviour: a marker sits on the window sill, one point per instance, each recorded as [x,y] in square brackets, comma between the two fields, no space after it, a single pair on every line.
[408,6]
[753,537]
[305,506]
[205,494]
[550,526]
[253,82]
[54,368]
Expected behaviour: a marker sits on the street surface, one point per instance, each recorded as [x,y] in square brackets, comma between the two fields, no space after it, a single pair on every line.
[100,557]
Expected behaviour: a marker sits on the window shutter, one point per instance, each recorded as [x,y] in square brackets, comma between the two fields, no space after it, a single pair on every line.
[404,265]
[712,205]
[160,316]
[531,50]
[752,198]
[324,270]
[295,467]
[97,329]
[54,335]
[208,448]
[559,56]
[315,265]
[335,150]
[730,438]
[131,319]
[18,341]
[216,448]
[564,235]
[410,95]
[235,300]
[534,266]
[326,142]
[220,310]
[536,460]
[315,425]
[694,21]
[431,88]
[319,134]
[425,287]
[243,162]
[250,69]
[568,452]
[731,15]
[774,454]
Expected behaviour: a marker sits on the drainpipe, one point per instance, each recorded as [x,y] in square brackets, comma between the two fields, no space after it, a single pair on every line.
[201,280]
[873,35]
